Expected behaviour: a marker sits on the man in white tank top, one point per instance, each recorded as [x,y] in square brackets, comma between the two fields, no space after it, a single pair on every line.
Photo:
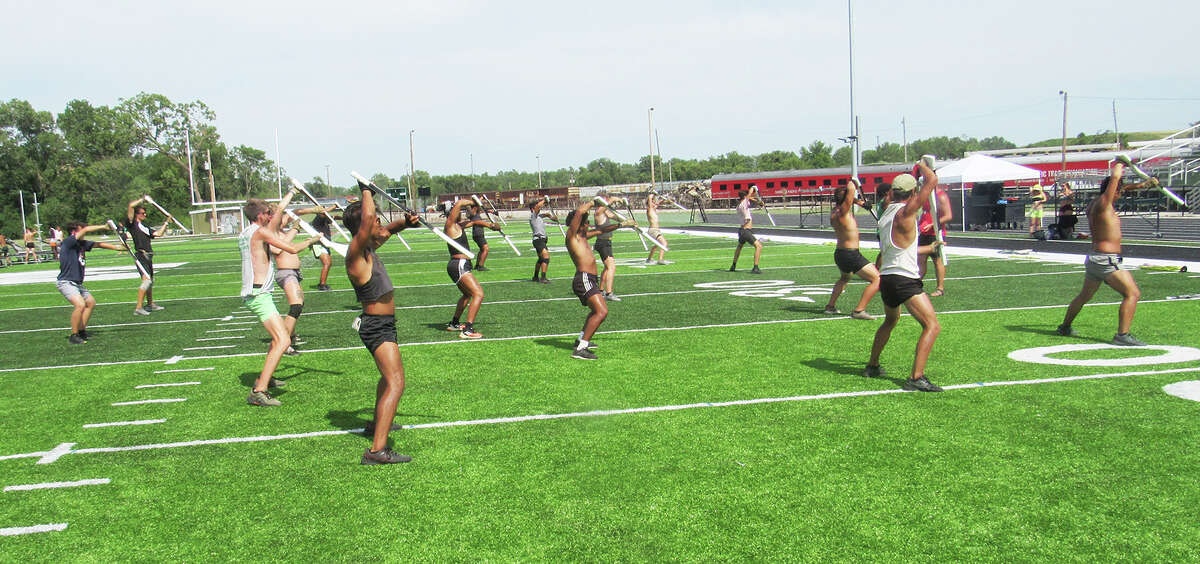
[900,278]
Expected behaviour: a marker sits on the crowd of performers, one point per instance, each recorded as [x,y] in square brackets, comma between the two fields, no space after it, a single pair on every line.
[270,255]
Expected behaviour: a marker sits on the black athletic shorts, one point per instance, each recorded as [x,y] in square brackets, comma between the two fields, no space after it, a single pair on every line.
[539,244]
[585,286]
[896,289]
[849,260]
[458,268]
[923,239]
[147,261]
[746,236]
[480,239]
[30,246]
[375,330]
[604,247]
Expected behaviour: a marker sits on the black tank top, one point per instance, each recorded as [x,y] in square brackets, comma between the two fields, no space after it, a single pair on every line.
[378,285]
[476,230]
[461,240]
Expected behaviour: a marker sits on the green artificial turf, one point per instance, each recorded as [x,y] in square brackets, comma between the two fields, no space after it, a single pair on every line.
[1078,470]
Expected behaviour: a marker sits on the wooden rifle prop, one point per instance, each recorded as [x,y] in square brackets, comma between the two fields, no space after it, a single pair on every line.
[764,206]
[449,241]
[339,248]
[125,243]
[930,162]
[550,204]
[507,239]
[164,212]
[495,210]
[601,202]
[1125,160]
[300,187]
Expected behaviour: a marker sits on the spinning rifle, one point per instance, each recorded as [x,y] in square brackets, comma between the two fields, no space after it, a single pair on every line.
[449,241]
[764,208]
[1124,159]
[339,248]
[495,211]
[164,212]
[632,216]
[507,239]
[125,244]
[600,201]
[309,195]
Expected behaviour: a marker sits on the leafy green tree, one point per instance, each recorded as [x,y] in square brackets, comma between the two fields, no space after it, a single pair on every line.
[817,155]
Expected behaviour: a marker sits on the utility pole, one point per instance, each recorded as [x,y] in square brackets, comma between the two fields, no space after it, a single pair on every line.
[411,167]
[1116,129]
[472,157]
[658,144]
[650,134]
[328,183]
[904,134]
[853,118]
[21,194]
[212,185]
[539,161]
[1064,136]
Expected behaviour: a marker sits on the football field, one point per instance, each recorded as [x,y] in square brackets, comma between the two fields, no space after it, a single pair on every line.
[726,418]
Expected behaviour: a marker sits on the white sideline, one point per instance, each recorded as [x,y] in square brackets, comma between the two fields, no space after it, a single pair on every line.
[598,413]
[13,531]
[524,337]
[52,485]
[124,423]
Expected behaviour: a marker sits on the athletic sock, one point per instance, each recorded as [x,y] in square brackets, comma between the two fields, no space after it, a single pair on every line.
[583,345]
[454,321]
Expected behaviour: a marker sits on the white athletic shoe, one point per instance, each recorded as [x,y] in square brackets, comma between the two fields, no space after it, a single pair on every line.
[156,307]
[140,311]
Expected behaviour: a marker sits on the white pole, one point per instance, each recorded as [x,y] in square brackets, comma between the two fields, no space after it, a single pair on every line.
[278,176]
[650,134]
[187,140]
[21,193]
[853,119]
[37,218]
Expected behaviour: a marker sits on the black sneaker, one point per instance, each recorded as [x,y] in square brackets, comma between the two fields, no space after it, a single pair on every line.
[733,268]
[369,428]
[75,339]
[755,270]
[1126,340]
[1067,331]
[921,384]
[873,371]
[385,456]
[276,383]
[583,354]
[323,287]
[544,280]
[482,268]
[85,335]
[454,326]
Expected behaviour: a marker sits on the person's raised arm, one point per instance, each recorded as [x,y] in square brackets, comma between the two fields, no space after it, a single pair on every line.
[455,212]
[576,222]
[133,204]
[409,220]
[277,217]
[1114,185]
[283,242]
[367,218]
[928,183]
[88,229]
[163,230]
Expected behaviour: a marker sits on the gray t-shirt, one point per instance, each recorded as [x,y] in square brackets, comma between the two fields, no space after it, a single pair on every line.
[538,225]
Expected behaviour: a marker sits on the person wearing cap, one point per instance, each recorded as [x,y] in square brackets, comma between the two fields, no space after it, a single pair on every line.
[1036,209]
[900,278]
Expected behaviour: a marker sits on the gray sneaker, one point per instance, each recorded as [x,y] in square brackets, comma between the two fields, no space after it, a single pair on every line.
[155,307]
[873,371]
[1126,340]
[831,311]
[921,384]
[276,383]
[263,399]
[140,311]
[664,262]
[1066,331]
[385,456]
[291,351]
[583,354]
[862,315]
[755,270]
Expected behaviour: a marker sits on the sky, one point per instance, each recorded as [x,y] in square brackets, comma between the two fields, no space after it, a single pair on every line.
[506,85]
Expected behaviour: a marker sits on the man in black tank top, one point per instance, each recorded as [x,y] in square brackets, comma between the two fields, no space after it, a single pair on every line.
[377,324]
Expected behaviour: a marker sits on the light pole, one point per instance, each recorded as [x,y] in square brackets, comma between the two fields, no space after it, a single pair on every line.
[328,183]
[853,120]
[539,161]
[1062,175]
[650,134]
[472,157]
[411,167]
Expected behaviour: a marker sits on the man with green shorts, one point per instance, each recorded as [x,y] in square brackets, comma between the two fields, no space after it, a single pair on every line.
[257,279]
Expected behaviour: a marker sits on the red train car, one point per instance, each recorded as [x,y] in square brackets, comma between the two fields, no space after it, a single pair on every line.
[806,183]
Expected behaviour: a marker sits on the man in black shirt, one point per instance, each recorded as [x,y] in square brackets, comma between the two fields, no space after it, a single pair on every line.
[142,235]
[70,277]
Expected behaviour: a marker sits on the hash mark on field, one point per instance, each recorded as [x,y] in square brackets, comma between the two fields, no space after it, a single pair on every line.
[123,423]
[240,323]
[140,402]
[208,348]
[225,338]
[52,485]
[174,359]
[598,413]
[167,385]
[13,531]
[184,370]
[54,453]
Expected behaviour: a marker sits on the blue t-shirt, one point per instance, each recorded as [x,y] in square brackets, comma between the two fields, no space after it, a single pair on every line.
[70,258]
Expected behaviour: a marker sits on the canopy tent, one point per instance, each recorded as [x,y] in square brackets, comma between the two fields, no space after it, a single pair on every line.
[982,168]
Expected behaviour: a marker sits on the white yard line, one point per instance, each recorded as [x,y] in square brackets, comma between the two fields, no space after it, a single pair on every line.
[124,423]
[209,348]
[225,338]
[53,485]
[598,413]
[229,330]
[13,531]
[143,402]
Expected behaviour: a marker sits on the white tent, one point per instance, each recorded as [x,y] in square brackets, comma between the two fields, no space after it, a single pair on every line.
[982,168]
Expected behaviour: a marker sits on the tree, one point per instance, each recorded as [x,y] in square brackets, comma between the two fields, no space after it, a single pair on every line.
[816,155]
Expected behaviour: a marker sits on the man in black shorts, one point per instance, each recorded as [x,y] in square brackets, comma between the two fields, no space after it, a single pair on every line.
[900,279]
[603,218]
[586,284]
[477,235]
[537,225]
[322,224]
[70,277]
[847,256]
[746,232]
[377,324]
[135,215]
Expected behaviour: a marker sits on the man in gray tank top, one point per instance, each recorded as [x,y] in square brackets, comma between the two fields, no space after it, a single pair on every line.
[537,224]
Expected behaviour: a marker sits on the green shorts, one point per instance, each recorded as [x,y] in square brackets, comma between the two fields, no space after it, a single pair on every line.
[1036,213]
[262,305]
[318,250]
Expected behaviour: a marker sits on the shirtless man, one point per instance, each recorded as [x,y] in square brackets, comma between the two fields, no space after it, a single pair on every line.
[899,281]
[377,324]
[254,242]
[288,277]
[746,232]
[586,283]
[4,250]
[603,218]
[30,246]
[653,231]
[929,235]
[847,256]
[1104,263]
